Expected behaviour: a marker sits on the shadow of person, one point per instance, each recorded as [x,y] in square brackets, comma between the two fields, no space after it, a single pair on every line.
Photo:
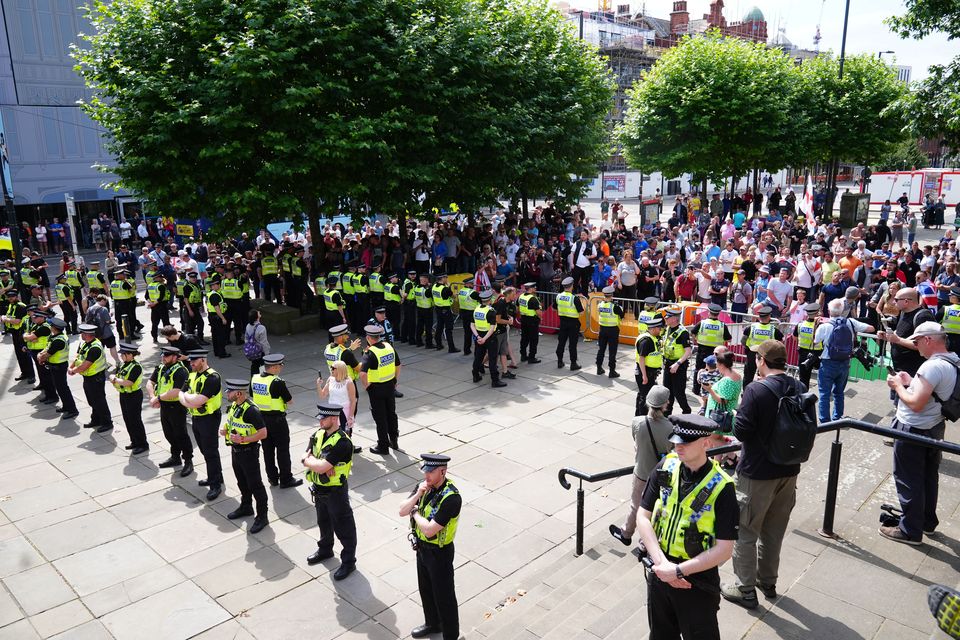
[811,625]
[356,592]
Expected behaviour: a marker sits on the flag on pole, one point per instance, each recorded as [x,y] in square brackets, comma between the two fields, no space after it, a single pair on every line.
[806,203]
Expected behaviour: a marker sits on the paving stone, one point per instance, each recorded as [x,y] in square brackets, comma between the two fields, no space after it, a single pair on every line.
[21,630]
[86,531]
[40,499]
[180,612]
[133,590]
[59,619]
[9,610]
[16,555]
[180,537]
[289,614]
[92,630]
[108,564]
[39,589]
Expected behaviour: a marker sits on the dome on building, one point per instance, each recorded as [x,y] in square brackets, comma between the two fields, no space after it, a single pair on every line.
[754,15]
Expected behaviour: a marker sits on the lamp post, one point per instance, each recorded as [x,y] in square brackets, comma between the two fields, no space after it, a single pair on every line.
[834,163]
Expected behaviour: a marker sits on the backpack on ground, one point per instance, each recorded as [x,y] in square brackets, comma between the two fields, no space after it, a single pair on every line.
[841,340]
[795,427]
[950,407]
[252,348]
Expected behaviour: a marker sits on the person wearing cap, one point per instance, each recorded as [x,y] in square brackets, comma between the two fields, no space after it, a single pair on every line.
[949,317]
[36,337]
[267,269]
[6,283]
[408,333]
[807,349]
[530,313]
[349,292]
[392,300]
[434,511]
[687,522]
[96,281]
[163,391]
[341,348]
[569,308]
[650,311]
[124,296]
[193,300]
[483,327]
[230,290]
[609,315]
[379,375]
[217,311]
[916,469]
[328,460]
[677,350]
[835,364]
[202,395]
[442,296]
[769,490]
[54,357]
[299,273]
[73,277]
[361,295]
[28,276]
[270,393]
[127,381]
[755,334]
[15,320]
[649,357]
[91,364]
[243,275]
[38,299]
[423,296]
[651,437]
[243,431]
[334,306]
[379,318]
[158,297]
[69,305]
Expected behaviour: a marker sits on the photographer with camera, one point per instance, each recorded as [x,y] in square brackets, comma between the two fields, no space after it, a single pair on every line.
[836,337]
[904,352]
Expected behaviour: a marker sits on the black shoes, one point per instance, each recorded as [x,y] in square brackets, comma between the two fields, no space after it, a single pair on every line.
[214,492]
[769,591]
[240,512]
[380,451]
[397,394]
[575,367]
[128,447]
[357,449]
[258,525]
[534,360]
[523,357]
[600,370]
[292,482]
[105,428]
[204,483]
[394,443]
[477,378]
[509,375]
[498,384]
[273,481]
[317,557]
[50,400]
[559,364]
[138,450]
[424,630]
[343,571]
[187,468]
[169,463]
[614,374]
[69,415]
[453,350]
[617,533]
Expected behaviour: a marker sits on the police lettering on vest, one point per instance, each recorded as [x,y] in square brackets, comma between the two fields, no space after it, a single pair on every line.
[119,292]
[423,300]
[268,265]
[758,333]
[480,319]
[806,331]
[951,319]
[438,300]
[260,394]
[710,333]
[605,312]
[386,364]
[524,300]
[566,306]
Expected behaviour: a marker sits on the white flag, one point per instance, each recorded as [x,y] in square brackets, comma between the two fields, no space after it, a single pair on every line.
[806,203]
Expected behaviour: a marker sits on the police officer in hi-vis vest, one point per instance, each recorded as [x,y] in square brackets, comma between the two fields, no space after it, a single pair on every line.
[467,301]
[423,296]
[217,312]
[202,395]
[442,296]
[649,357]
[158,300]
[163,389]
[91,364]
[328,459]
[688,522]
[15,322]
[36,336]
[55,357]
[484,329]
[753,337]
[392,300]
[806,346]
[334,306]
[270,393]
[124,295]
[530,312]
[569,307]
[268,268]
[69,305]
[949,317]
[609,314]
[379,375]
[434,509]
[242,432]
[709,333]
[408,333]
[676,358]
[127,381]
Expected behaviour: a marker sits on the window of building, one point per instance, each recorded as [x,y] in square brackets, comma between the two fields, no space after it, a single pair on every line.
[49,44]
[51,132]
[28,34]
[69,132]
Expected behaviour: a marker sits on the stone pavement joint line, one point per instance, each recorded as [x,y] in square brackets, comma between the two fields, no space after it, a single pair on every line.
[97,544]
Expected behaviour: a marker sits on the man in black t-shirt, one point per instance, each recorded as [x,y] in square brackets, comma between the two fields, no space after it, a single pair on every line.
[183,342]
[912,314]
[163,390]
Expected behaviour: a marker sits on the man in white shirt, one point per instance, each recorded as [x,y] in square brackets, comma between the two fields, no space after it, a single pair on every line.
[582,254]
[142,231]
[779,293]
[727,257]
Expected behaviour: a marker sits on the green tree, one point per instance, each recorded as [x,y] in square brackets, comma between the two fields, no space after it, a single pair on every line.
[905,155]
[714,107]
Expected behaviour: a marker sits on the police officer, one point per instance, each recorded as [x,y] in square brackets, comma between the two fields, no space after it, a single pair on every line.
[73,278]
[409,332]
[340,348]
[334,306]
[268,269]
[243,431]
[753,337]
[36,337]
[124,296]
[298,279]
[270,393]
[530,312]
[361,296]
[676,357]
[328,459]
[91,364]
[709,334]
[127,381]
[649,312]
[609,314]
[468,300]
[217,310]
[6,282]
[484,329]
[193,298]
[96,282]
[442,296]
[230,290]
[379,374]
[158,300]
[15,318]
[55,357]
[349,292]
[688,523]
[377,287]
[949,317]
[649,357]
[163,389]
[69,305]
[569,307]
[202,395]
[423,296]
[434,509]
[807,346]
[379,318]
[392,301]
[241,273]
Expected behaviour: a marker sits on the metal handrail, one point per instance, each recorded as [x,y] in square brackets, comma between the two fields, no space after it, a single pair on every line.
[836,449]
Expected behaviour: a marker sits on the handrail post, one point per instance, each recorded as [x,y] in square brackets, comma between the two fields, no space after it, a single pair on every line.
[833,480]
[580,519]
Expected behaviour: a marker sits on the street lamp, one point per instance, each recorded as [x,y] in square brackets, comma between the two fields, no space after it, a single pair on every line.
[880,54]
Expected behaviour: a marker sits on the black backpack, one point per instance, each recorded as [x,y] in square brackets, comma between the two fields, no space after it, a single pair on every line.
[950,408]
[795,428]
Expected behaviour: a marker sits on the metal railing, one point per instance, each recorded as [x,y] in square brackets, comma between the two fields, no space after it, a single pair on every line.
[833,478]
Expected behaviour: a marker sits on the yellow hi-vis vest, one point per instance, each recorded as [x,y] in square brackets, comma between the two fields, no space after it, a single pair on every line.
[11,311]
[165,379]
[438,300]
[606,315]
[674,518]
[268,266]
[446,535]
[328,302]
[643,318]
[347,281]
[260,388]
[237,423]
[26,275]
[376,282]
[195,384]
[391,293]
[423,300]
[806,331]
[758,333]
[334,352]
[153,292]
[358,286]
[671,349]
[480,318]
[321,445]
[124,374]
[654,359]
[285,259]
[335,274]
[41,342]
[524,301]
[386,364]
[566,306]
[64,292]
[93,279]
[212,308]
[710,333]
[72,277]
[230,289]
[59,357]
[118,292]
[951,319]
[98,365]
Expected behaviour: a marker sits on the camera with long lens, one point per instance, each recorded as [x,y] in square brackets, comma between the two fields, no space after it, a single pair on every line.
[863,356]
[807,366]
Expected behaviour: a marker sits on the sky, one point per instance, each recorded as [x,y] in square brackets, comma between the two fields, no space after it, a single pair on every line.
[799,18]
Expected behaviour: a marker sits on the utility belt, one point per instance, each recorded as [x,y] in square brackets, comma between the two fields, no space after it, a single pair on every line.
[241,449]
[317,490]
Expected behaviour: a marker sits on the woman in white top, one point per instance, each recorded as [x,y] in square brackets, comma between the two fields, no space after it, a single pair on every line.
[40,233]
[339,391]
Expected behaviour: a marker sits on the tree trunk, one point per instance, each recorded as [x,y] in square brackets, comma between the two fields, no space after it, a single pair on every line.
[523,204]
[317,248]
[402,221]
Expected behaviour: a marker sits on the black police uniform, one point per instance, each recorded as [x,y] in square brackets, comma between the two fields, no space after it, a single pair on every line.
[160,312]
[645,347]
[393,307]
[409,330]
[131,405]
[276,446]
[530,331]
[608,339]
[95,393]
[68,304]
[206,428]
[435,570]
[218,330]
[676,383]
[569,332]
[45,380]
[173,415]
[332,318]
[466,317]
[127,307]
[246,460]
[58,373]
[383,401]
[18,310]
[332,502]
[194,323]
[444,321]
[490,348]
[361,304]
[425,320]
